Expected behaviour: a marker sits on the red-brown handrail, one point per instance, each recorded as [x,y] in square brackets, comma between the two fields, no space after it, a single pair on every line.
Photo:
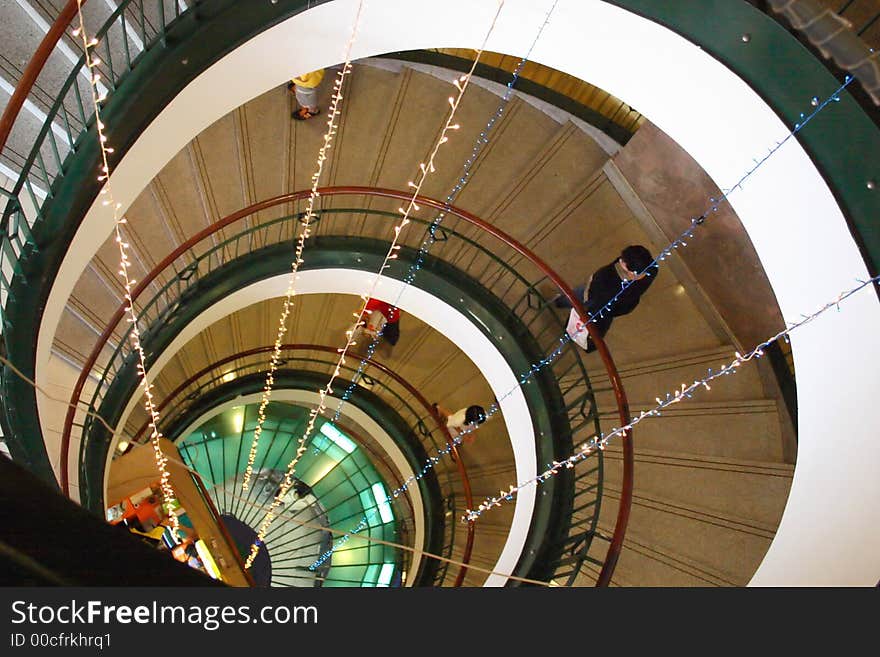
[34,68]
[462,470]
[611,370]
[223,530]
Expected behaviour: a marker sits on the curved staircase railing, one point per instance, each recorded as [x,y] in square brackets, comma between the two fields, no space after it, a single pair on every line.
[527,286]
[71,116]
[841,35]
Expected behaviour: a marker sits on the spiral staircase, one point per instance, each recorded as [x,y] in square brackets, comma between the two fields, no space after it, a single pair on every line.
[556,192]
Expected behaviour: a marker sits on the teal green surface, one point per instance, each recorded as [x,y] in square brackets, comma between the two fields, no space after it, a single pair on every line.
[341,481]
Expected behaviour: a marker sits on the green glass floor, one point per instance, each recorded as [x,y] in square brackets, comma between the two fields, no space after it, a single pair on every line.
[336,486]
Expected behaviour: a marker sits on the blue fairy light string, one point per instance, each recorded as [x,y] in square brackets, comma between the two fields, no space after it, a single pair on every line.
[429,241]
[342,541]
[536,367]
[426,168]
[685,392]
[679,241]
[697,222]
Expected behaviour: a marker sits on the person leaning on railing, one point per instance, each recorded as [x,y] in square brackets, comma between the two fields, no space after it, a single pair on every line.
[634,265]
[463,421]
[379,319]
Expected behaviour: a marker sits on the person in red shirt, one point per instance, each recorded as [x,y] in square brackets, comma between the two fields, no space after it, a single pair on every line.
[387,321]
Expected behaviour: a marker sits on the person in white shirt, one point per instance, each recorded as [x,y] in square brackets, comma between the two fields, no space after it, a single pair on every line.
[463,421]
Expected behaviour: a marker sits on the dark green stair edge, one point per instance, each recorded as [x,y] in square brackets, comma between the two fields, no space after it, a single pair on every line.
[402,434]
[512,339]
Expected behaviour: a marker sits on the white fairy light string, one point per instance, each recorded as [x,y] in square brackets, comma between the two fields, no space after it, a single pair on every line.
[124,264]
[426,168]
[431,239]
[566,338]
[427,243]
[685,392]
[679,241]
[304,234]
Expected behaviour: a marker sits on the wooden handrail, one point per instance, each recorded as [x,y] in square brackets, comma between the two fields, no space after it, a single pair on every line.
[223,530]
[602,349]
[34,68]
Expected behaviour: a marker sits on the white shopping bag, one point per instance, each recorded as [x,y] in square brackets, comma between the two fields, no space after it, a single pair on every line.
[375,322]
[576,329]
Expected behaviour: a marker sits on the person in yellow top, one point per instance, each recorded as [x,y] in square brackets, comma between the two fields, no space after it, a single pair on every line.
[305,88]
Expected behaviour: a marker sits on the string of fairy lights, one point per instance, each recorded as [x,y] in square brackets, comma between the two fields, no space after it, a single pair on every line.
[426,168]
[304,234]
[680,241]
[481,141]
[92,62]
[685,392]
[363,524]
[601,441]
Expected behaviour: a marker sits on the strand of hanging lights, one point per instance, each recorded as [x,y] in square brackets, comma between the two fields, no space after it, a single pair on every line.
[481,141]
[685,392]
[305,232]
[680,241]
[425,168]
[429,241]
[92,62]
[715,203]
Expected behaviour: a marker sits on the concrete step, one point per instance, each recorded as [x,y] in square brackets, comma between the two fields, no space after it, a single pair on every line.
[647,379]
[741,429]
[728,549]
[744,491]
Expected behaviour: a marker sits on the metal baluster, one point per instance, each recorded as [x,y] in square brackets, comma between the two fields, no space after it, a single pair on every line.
[22,229]
[67,127]
[867,25]
[33,197]
[108,57]
[162,31]
[142,24]
[125,37]
[10,254]
[79,102]
[45,173]
[55,152]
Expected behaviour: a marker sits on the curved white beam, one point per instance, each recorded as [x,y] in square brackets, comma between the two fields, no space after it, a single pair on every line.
[442,317]
[830,531]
